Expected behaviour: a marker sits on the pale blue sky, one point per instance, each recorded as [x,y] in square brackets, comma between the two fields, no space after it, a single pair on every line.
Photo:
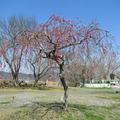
[105,12]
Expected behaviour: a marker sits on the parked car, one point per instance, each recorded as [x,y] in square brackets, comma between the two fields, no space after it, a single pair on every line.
[115,86]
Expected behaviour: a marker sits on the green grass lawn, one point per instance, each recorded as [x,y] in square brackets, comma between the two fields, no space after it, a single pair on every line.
[84,104]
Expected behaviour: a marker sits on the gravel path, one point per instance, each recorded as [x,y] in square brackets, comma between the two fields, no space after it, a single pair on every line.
[98,97]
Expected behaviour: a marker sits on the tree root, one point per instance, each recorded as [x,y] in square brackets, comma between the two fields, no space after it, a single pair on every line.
[56,107]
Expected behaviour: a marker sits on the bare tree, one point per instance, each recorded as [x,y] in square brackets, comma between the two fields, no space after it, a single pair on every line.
[38,65]
[12,45]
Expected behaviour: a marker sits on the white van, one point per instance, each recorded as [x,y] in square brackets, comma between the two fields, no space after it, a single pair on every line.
[115,86]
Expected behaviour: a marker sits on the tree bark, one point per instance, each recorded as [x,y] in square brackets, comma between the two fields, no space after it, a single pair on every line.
[83,82]
[36,81]
[61,75]
[15,79]
[83,77]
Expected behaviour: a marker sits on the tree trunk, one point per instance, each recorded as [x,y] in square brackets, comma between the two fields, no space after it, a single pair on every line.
[15,79]
[83,82]
[36,81]
[83,77]
[61,75]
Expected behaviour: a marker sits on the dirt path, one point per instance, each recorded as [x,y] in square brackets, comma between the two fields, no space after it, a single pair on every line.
[13,100]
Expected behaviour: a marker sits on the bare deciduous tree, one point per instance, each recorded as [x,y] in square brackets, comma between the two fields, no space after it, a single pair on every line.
[12,46]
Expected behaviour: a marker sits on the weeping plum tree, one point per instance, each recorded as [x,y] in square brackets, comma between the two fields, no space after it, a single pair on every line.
[54,37]
[12,44]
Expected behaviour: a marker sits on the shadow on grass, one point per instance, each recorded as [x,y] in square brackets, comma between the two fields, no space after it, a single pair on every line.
[5,102]
[56,111]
